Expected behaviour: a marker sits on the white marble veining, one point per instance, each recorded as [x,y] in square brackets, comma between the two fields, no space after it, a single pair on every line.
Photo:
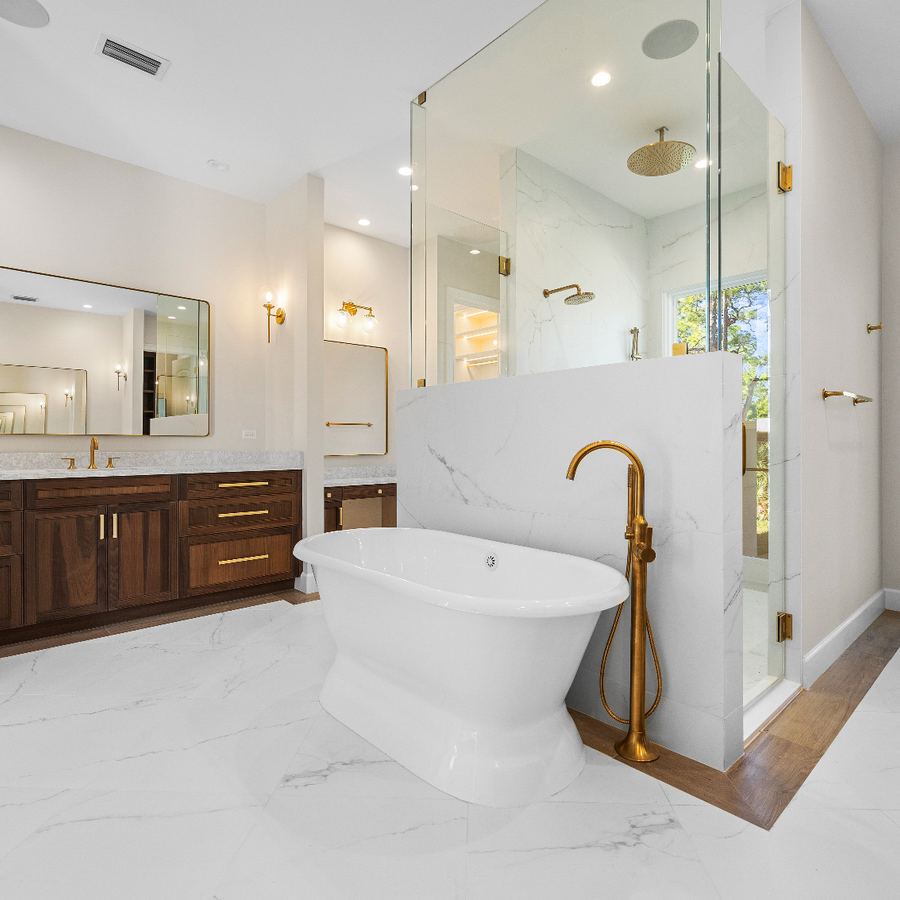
[14,466]
[338,476]
[489,460]
[226,781]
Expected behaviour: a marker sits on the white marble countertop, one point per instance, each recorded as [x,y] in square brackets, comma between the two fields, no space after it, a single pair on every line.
[345,476]
[348,482]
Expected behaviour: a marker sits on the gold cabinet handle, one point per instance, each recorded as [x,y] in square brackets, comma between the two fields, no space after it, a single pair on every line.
[246,484]
[102,526]
[115,533]
[340,517]
[253,512]
[228,562]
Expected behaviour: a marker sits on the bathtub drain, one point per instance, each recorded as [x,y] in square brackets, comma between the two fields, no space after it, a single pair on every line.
[490,561]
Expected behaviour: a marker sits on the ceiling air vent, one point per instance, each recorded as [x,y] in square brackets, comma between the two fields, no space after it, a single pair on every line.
[25,299]
[131,56]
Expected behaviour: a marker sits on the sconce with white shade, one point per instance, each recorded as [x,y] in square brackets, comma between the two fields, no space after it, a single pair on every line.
[348,309]
[120,375]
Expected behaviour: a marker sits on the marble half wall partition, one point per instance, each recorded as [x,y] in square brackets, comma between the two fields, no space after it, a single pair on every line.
[489,459]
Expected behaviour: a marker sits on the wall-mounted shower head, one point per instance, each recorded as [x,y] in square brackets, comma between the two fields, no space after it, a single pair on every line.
[572,299]
[662,158]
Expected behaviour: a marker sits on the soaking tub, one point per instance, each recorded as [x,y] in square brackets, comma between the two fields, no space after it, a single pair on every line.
[455,654]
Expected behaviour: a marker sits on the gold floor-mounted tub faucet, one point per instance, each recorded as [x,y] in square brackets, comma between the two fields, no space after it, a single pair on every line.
[639,535]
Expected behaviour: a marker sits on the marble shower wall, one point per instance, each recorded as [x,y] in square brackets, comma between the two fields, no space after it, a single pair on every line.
[561,231]
[489,459]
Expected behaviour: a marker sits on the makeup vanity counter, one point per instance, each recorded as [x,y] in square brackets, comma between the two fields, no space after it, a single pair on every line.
[86,548]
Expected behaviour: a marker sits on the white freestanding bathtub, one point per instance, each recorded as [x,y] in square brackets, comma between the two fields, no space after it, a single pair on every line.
[455,654]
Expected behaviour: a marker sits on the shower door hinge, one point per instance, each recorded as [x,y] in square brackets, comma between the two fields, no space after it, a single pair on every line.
[785,178]
[784,626]
[504,265]
[421,98]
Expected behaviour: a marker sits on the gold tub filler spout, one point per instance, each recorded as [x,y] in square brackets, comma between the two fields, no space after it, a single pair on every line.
[639,535]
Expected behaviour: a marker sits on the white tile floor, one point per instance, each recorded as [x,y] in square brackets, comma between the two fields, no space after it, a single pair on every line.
[192,762]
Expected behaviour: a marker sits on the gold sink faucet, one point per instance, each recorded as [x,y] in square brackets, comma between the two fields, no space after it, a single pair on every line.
[639,535]
[95,446]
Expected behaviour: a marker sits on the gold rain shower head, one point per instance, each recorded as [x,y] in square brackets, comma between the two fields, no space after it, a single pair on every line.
[662,158]
[572,299]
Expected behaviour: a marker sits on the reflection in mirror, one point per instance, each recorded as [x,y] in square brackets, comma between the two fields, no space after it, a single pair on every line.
[589,156]
[147,356]
[35,400]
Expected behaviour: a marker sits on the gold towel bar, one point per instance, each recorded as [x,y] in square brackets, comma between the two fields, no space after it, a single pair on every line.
[255,512]
[228,562]
[367,424]
[856,398]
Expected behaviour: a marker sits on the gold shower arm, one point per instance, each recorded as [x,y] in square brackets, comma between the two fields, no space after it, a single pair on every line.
[565,287]
[856,398]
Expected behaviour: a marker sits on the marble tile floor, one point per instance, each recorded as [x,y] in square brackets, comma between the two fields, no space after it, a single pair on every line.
[192,761]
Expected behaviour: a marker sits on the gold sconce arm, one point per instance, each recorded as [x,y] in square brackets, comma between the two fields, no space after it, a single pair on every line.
[871,328]
[279,317]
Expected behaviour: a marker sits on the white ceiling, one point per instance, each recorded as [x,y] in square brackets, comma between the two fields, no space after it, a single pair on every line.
[864,36]
[279,88]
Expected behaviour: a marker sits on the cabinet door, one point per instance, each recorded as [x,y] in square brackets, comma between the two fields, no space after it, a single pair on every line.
[65,570]
[143,553]
[10,591]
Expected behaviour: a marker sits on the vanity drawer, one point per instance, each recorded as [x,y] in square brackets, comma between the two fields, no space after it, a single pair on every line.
[10,494]
[55,493]
[216,562]
[212,516]
[222,485]
[10,533]
[369,491]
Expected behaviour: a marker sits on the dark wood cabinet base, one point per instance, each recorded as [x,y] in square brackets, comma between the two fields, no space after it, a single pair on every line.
[116,616]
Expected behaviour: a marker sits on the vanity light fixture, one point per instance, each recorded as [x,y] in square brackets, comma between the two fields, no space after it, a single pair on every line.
[69,396]
[279,315]
[349,308]
[601,79]
[120,375]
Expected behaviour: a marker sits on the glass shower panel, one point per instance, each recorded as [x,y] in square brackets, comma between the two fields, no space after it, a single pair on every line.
[524,140]
[748,305]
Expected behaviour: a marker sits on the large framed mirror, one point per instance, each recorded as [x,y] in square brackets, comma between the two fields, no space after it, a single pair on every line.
[81,357]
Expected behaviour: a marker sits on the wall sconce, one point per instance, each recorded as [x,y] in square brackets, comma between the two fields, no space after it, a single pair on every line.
[69,396]
[278,315]
[120,375]
[348,308]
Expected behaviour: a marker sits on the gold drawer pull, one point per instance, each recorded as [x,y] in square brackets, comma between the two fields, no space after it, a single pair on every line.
[254,512]
[246,484]
[115,525]
[228,562]
[102,527]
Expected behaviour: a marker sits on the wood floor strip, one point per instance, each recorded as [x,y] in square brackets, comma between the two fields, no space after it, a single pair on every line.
[760,786]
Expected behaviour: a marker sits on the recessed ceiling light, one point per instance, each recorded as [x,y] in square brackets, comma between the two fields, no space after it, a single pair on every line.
[171,317]
[218,164]
[87,306]
[405,171]
[474,252]
[364,222]
[414,187]
[701,164]
[28,13]
[182,307]
[601,78]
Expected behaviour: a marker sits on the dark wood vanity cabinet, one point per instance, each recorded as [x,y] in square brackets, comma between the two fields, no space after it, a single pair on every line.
[120,544]
[343,511]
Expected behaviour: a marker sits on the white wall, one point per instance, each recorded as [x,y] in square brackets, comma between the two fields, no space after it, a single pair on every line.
[841,161]
[489,459]
[69,212]
[890,367]
[372,273]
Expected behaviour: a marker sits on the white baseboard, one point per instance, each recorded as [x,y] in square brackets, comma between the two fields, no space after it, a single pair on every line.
[817,661]
[892,599]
